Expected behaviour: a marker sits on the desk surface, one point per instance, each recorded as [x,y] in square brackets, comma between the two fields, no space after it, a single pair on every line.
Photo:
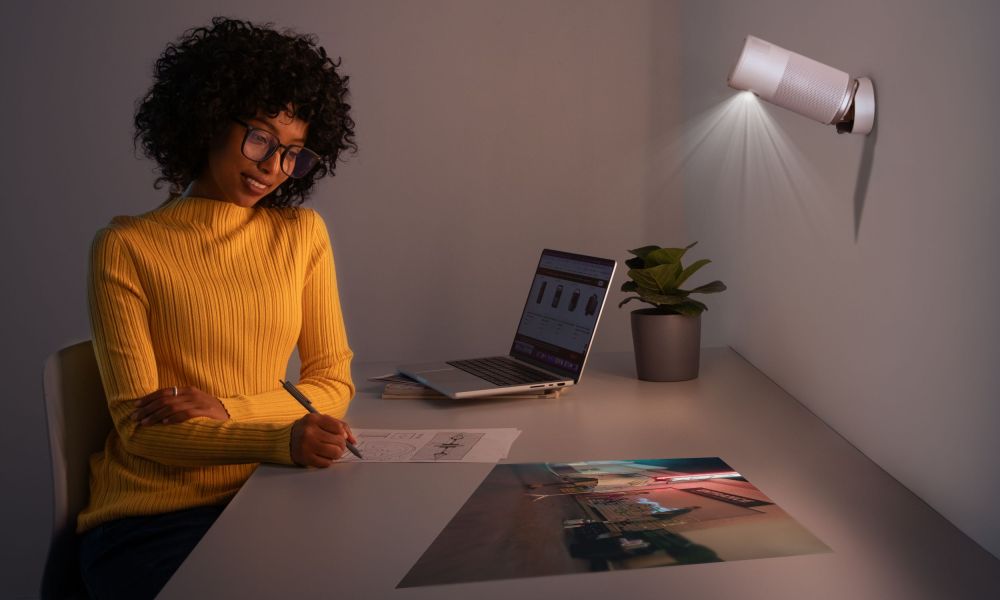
[354,530]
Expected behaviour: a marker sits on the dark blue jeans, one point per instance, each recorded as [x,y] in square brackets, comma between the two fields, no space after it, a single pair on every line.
[134,557]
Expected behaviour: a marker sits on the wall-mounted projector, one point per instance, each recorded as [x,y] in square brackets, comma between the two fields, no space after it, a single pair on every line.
[805,86]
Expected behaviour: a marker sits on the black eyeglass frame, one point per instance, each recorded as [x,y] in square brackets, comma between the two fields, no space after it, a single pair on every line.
[274,148]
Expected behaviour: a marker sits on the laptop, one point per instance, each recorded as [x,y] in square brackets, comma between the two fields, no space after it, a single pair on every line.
[552,341]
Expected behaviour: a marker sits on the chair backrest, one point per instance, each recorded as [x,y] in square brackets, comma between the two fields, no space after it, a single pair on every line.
[78,420]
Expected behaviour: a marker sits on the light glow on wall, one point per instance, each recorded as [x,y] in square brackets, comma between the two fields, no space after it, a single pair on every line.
[736,157]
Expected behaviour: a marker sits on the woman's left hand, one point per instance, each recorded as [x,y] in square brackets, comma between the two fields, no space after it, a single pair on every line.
[176,405]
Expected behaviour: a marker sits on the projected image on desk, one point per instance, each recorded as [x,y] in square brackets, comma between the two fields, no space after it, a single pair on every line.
[538,519]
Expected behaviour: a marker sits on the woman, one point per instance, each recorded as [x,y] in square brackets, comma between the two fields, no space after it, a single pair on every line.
[197,305]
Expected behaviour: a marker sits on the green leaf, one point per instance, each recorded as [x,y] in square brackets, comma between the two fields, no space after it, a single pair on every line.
[635,263]
[710,288]
[664,256]
[661,277]
[666,275]
[657,274]
[691,270]
[660,308]
[643,278]
[661,299]
[690,308]
[622,303]
[642,252]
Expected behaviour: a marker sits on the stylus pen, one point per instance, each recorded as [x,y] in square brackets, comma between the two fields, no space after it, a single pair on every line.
[294,391]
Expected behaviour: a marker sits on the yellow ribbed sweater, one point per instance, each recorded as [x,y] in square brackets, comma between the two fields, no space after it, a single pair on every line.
[209,294]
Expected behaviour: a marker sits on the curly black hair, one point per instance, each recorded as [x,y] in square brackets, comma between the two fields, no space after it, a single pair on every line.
[235,69]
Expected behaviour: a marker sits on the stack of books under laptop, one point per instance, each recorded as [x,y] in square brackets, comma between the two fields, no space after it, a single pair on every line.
[401,387]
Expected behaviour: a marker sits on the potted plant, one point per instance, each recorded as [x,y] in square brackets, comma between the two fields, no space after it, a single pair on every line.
[667,337]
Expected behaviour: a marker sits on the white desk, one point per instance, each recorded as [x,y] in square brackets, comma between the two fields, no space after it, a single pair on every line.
[354,530]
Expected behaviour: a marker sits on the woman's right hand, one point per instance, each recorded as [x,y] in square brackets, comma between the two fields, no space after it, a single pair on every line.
[176,405]
[317,440]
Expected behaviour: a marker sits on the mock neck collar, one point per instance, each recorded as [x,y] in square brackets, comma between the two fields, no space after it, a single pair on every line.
[216,214]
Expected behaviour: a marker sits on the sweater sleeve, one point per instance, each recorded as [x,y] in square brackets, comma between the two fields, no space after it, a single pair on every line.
[119,311]
[325,376]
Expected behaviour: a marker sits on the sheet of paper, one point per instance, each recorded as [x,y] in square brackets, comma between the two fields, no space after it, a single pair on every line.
[433,445]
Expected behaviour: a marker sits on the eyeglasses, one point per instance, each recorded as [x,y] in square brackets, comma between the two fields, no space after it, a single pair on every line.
[260,144]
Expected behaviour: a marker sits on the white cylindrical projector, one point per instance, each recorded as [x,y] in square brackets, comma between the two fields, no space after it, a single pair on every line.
[805,86]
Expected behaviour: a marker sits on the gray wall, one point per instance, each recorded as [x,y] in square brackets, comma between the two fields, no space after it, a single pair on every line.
[873,303]
[488,130]
[863,272]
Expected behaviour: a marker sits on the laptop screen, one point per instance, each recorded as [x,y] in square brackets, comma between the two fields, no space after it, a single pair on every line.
[561,313]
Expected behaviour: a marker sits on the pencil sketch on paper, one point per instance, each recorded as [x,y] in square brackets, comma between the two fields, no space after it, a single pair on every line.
[448,446]
[478,445]
[382,450]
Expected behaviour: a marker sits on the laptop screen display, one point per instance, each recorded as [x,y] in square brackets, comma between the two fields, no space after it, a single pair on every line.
[561,313]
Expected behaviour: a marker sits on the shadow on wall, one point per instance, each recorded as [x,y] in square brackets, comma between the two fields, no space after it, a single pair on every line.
[864,175]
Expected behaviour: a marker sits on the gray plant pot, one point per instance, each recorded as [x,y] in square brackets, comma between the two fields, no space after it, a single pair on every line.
[667,347]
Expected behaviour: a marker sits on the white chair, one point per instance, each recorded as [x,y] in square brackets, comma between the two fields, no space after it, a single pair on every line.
[78,420]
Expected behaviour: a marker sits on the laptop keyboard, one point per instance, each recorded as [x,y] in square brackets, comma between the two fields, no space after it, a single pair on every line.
[501,370]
